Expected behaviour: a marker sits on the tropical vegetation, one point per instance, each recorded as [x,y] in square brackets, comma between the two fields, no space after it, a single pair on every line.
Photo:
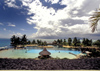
[70,42]
[94,19]
[23,41]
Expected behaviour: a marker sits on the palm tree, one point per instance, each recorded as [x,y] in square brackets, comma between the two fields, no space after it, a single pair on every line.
[24,39]
[94,20]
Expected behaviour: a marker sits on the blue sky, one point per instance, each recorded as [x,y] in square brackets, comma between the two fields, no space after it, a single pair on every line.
[47,19]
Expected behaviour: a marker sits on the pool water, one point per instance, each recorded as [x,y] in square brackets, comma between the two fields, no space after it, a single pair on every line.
[54,51]
[20,53]
[33,53]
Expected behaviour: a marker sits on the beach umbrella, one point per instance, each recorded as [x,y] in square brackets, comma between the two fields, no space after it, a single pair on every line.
[44,52]
[87,52]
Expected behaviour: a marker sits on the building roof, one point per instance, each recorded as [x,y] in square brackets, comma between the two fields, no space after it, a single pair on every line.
[44,52]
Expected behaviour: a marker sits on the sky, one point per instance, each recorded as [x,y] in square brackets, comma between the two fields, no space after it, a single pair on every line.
[48,19]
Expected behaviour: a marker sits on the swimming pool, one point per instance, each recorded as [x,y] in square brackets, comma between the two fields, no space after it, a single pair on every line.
[54,51]
[33,52]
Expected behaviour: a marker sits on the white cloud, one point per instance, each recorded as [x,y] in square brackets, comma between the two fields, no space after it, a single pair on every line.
[71,4]
[75,12]
[49,19]
[17,34]
[23,29]
[81,18]
[1,24]
[91,12]
[52,1]
[80,28]
[50,22]
[12,25]
[11,3]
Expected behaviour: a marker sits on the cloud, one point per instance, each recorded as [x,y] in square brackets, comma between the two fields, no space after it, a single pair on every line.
[52,1]
[1,24]
[11,3]
[69,21]
[91,12]
[49,21]
[12,25]
[23,29]
[17,34]
[75,12]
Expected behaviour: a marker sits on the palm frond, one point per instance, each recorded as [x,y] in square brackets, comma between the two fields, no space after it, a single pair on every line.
[94,25]
[94,28]
[94,20]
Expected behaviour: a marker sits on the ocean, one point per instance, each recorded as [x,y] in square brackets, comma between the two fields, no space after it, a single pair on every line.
[4,42]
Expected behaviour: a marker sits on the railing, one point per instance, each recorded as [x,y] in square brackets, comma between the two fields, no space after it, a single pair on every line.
[72,54]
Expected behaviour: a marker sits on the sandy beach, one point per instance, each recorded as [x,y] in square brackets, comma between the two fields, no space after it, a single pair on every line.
[65,46]
[32,45]
[45,46]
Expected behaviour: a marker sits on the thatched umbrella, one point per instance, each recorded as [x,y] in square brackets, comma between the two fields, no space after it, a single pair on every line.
[44,52]
[87,52]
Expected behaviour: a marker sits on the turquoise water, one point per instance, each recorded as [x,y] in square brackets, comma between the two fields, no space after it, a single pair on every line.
[54,51]
[33,52]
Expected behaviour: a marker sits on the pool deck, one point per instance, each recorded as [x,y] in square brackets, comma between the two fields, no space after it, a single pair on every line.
[91,47]
[32,45]
[45,46]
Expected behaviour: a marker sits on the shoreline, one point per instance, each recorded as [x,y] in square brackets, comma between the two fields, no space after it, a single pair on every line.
[33,45]
[65,46]
[45,46]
